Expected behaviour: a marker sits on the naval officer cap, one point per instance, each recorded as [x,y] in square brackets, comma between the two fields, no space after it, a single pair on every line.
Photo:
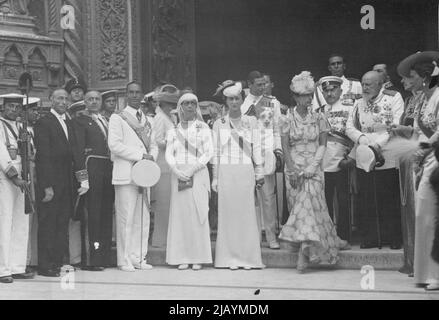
[330,82]
[33,102]
[11,97]
[109,94]
[77,106]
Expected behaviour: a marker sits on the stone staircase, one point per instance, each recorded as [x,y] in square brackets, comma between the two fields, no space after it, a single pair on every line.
[286,257]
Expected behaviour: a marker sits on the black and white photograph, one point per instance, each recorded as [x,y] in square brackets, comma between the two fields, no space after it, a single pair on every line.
[219,155]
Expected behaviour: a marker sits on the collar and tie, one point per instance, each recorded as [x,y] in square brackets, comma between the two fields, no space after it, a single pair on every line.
[139,116]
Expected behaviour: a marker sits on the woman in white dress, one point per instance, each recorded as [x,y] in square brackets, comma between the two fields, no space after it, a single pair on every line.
[189,149]
[237,170]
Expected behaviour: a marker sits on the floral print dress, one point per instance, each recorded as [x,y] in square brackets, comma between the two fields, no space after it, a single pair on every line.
[309,223]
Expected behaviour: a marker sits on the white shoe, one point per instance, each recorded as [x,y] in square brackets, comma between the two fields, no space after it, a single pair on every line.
[143,266]
[127,268]
[234,268]
[247,268]
[183,267]
[274,245]
[197,267]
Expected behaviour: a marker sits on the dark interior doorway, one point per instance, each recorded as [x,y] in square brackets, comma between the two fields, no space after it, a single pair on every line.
[284,37]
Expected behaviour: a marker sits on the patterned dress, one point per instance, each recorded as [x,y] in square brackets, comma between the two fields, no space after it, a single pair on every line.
[309,223]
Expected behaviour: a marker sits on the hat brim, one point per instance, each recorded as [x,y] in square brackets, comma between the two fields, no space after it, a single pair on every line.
[407,64]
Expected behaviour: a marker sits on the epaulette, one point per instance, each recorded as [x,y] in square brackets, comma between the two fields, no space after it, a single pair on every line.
[353,79]
[390,92]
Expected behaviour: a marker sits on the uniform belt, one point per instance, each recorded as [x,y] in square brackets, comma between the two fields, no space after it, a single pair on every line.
[95,157]
[339,139]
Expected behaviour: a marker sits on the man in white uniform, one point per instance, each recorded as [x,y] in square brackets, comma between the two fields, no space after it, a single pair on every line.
[368,125]
[127,148]
[254,104]
[336,161]
[351,88]
[14,223]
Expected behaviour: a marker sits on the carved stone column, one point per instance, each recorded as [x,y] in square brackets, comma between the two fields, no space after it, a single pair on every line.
[74,43]
[109,43]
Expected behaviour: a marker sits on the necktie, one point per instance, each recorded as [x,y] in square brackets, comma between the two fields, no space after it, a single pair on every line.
[139,116]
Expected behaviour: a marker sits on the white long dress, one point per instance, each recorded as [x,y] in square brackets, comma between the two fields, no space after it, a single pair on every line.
[188,239]
[238,240]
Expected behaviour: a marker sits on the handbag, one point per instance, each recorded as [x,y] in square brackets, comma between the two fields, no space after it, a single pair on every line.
[183,185]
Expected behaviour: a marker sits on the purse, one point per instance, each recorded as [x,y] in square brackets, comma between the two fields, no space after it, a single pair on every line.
[183,185]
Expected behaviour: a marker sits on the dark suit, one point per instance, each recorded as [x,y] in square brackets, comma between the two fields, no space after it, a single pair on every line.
[98,218]
[56,161]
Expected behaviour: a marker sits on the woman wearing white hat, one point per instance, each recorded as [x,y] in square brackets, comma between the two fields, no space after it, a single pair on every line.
[189,149]
[304,141]
[237,170]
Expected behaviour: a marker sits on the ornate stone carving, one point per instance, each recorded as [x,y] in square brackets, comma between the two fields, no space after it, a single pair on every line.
[172,36]
[17,7]
[114,42]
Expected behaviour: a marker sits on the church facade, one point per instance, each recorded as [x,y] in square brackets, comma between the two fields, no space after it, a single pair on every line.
[112,42]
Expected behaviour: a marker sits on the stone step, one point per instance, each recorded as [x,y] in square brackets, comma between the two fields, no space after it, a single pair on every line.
[286,257]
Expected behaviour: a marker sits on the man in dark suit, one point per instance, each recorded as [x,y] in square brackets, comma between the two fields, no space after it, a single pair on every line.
[56,160]
[91,130]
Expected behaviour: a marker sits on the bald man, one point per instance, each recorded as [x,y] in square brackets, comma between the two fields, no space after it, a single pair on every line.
[57,161]
[368,125]
[91,130]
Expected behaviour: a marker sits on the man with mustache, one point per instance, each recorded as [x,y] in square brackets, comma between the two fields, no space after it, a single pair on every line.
[368,126]
[91,130]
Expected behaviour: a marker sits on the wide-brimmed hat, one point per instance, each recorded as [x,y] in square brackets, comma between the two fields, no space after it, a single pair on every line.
[167,97]
[407,64]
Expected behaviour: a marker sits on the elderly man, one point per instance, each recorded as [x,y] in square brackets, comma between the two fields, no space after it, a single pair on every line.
[351,88]
[14,224]
[254,105]
[368,126]
[91,130]
[131,139]
[336,162]
[57,159]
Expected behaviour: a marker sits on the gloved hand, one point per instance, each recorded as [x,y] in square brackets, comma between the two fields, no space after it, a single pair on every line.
[180,174]
[310,172]
[363,141]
